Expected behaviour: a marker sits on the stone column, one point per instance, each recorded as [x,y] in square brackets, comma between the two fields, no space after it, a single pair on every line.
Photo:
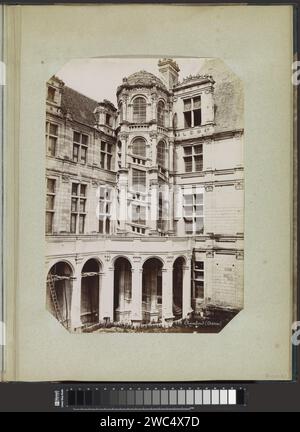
[106,297]
[153,136]
[154,106]
[186,291]
[76,297]
[125,107]
[167,295]
[209,263]
[171,156]
[153,206]
[123,138]
[121,307]
[136,301]
[209,209]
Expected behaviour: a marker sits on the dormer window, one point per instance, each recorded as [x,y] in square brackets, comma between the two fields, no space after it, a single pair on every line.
[108,119]
[51,94]
[192,112]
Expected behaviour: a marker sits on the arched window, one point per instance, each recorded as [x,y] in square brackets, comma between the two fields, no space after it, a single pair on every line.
[161,153]
[161,113]
[175,121]
[139,110]
[139,147]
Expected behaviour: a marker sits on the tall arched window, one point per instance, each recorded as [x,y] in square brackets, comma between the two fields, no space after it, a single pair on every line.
[139,110]
[139,147]
[161,153]
[161,113]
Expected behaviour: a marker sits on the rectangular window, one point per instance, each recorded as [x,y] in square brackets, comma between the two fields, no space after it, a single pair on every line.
[193,211]
[78,208]
[198,163]
[51,94]
[51,138]
[199,290]
[138,214]
[192,112]
[187,150]
[198,280]
[187,119]
[188,164]
[50,203]
[49,222]
[106,155]
[138,180]
[188,226]
[104,209]
[73,223]
[102,160]
[107,225]
[75,152]
[194,161]
[80,146]
[197,117]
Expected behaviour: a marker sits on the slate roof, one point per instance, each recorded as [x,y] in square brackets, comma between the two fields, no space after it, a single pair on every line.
[79,106]
[141,78]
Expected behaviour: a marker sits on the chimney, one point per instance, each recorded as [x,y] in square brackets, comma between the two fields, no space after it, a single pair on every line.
[169,72]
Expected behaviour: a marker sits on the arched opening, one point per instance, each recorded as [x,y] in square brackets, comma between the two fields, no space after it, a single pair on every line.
[90,286]
[152,290]
[161,114]
[139,147]
[178,269]
[161,154]
[139,110]
[175,121]
[59,292]
[122,289]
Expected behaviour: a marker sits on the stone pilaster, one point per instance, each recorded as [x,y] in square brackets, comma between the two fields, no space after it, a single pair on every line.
[106,297]
[123,138]
[153,137]
[76,296]
[123,190]
[167,295]
[153,206]
[136,302]
[186,291]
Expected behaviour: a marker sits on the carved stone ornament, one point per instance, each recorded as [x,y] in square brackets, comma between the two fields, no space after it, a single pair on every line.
[239,185]
[240,255]
[65,178]
[209,188]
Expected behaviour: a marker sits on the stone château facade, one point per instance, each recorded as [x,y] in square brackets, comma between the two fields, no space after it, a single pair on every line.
[144,201]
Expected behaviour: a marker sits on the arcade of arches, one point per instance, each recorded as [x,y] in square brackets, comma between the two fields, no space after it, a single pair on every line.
[131,292]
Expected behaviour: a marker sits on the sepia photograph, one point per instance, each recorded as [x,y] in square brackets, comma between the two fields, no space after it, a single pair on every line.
[144,217]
